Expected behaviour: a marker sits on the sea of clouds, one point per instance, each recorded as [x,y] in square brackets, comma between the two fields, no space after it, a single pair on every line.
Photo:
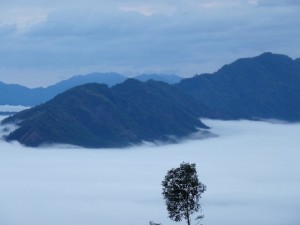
[251,170]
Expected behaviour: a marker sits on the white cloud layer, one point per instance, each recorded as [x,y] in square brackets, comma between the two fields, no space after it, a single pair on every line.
[12,108]
[40,41]
[251,170]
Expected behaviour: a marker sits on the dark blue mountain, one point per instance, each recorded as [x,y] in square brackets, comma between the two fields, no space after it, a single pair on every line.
[94,115]
[297,61]
[263,87]
[266,86]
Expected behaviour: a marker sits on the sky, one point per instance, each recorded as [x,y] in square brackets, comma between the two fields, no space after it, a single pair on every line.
[42,42]
[251,171]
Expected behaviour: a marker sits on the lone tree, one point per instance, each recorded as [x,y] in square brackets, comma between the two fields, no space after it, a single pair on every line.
[182,191]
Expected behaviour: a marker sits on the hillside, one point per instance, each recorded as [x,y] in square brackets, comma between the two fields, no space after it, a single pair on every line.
[263,87]
[94,115]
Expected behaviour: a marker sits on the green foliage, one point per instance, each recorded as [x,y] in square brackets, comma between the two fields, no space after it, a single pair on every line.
[182,191]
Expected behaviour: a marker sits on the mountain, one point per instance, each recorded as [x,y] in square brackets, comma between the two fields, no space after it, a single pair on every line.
[297,61]
[170,79]
[109,79]
[262,87]
[13,94]
[94,115]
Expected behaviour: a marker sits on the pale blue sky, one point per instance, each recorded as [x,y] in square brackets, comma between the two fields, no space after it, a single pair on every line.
[42,42]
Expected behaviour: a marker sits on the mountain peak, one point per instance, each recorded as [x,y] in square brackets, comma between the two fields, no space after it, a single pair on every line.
[272,57]
[265,86]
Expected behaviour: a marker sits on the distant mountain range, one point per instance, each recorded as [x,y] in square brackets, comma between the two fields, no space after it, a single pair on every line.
[262,87]
[13,94]
[93,115]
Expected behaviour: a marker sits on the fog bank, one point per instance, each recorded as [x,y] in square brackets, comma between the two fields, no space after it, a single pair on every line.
[251,171]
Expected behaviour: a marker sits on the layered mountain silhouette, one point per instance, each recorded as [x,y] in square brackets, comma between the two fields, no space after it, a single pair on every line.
[94,115]
[12,94]
[263,87]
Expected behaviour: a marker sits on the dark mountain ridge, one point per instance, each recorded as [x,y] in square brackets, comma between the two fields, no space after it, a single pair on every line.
[94,115]
[262,87]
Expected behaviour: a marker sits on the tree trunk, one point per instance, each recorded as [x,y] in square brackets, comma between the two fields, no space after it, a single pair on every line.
[188,220]
[187,210]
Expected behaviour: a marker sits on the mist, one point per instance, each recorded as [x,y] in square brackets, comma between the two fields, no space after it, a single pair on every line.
[12,108]
[251,170]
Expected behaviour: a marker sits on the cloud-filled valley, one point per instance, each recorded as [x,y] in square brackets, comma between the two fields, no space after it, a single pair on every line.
[251,171]
[136,131]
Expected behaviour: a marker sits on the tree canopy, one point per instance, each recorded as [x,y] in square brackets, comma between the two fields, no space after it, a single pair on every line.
[182,191]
